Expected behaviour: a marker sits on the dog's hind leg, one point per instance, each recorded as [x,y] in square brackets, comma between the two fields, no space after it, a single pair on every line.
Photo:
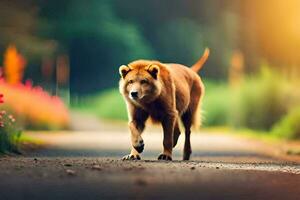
[176,134]
[187,123]
[190,117]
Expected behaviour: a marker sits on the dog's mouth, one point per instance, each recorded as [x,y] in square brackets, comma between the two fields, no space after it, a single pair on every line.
[133,98]
[144,98]
[138,98]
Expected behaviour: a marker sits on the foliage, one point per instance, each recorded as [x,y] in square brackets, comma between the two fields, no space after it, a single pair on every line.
[97,42]
[106,105]
[188,49]
[99,36]
[216,104]
[102,35]
[289,125]
[260,100]
[9,134]
[34,107]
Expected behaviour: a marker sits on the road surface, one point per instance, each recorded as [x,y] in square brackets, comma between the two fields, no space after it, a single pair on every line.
[85,164]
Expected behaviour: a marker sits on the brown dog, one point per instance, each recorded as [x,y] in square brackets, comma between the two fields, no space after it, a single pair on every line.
[165,93]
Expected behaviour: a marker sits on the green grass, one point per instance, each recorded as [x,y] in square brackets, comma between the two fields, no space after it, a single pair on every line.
[216,104]
[289,125]
[9,136]
[107,105]
[246,133]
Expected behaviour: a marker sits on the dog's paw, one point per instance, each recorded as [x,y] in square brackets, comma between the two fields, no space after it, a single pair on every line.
[139,147]
[131,157]
[164,157]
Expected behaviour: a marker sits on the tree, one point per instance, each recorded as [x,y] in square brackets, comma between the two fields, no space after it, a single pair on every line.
[14,64]
[97,42]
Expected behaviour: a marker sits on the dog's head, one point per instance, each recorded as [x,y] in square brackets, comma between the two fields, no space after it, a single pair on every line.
[140,82]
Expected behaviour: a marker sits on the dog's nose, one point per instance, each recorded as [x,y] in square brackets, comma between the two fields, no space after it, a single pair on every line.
[134,94]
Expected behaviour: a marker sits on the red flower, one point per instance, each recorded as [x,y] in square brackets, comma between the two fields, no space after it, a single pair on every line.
[1,98]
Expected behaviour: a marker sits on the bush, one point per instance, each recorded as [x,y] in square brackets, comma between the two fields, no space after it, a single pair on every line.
[260,101]
[34,108]
[9,134]
[216,104]
[289,126]
[108,104]
[111,105]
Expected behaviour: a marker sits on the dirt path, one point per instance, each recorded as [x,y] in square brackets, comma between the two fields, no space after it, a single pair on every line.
[87,165]
[107,178]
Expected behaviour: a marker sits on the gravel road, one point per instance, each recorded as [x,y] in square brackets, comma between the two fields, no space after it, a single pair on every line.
[86,165]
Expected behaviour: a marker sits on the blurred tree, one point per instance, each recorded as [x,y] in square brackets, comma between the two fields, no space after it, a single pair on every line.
[14,64]
[96,40]
[180,41]
[98,36]
[179,30]
[18,25]
[236,70]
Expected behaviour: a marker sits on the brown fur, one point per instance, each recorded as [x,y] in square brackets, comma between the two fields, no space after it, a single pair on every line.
[165,93]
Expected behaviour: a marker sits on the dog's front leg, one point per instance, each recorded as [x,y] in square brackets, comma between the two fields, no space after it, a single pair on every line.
[168,124]
[136,124]
[136,136]
[137,142]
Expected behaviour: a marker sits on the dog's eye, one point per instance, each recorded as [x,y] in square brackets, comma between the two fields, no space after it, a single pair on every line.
[144,81]
[130,81]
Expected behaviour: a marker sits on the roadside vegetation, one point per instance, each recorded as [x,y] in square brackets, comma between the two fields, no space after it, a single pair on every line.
[265,103]
[108,104]
[24,106]
[9,133]
[34,107]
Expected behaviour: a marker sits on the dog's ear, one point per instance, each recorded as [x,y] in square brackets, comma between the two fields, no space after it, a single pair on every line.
[153,70]
[123,70]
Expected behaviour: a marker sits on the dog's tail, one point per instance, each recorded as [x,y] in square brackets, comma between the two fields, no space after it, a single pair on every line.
[198,65]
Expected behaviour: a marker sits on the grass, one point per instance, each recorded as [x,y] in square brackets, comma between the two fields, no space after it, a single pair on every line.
[289,125]
[246,133]
[22,142]
[9,134]
[107,105]
[216,104]
[290,147]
